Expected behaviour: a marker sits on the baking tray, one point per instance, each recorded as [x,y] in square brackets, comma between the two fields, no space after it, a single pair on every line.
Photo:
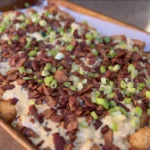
[11,139]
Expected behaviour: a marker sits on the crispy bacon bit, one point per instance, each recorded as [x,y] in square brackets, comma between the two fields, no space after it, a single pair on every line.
[32,110]
[95,84]
[120,96]
[48,113]
[89,119]
[136,56]
[7,86]
[97,124]
[14,101]
[104,129]
[59,141]
[39,117]
[29,132]
[92,60]
[56,118]
[40,143]
[50,101]
[32,94]
[148,68]
[20,81]
[60,76]
[72,126]
[108,136]
[73,103]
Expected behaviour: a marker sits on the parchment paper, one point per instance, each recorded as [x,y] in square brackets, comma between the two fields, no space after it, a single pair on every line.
[107,28]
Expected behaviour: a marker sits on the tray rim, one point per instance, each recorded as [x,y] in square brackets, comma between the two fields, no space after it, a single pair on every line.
[17,136]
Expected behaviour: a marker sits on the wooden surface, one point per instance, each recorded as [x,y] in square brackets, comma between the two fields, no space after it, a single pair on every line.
[11,139]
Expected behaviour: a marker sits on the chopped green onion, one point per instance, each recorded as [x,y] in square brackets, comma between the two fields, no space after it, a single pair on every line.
[102,69]
[48,80]
[89,36]
[140,86]
[21,70]
[75,67]
[27,5]
[135,49]
[45,73]
[73,88]
[148,112]
[40,81]
[60,68]
[53,52]
[35,77]
[108,89]
[48,67]
[83,124]
[27,78]
[148,94]
[32,53]
[94,115]
[110,68]
[29,42]
[97,93]
[103,80]
[94,52]
[138,111]
[67,84]
[122,43]
[130,85]
[135,121]
[127,100]
[148,82]
[90,74]
[53,84]
[103,102]
[110,95]
[134,73]
[131,67]
[102,88]
[112,103]
[43,34]
[15,38]
[43,23]
[31,102]
[99,40]
[79,86]
[70,47]
[84,81]
[114,126]
[112,54]
[29,71]
[107,39]
[53,70]
[123,84]
[116,67]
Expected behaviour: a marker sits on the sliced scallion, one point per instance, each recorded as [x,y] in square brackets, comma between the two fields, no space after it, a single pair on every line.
[21,70]
[138,111]
[102,69]
[103,102]
[94,115]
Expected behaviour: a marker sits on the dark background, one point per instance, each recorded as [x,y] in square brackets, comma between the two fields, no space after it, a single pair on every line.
[134,12]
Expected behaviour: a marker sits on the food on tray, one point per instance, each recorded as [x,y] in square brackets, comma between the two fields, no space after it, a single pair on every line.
[67,87]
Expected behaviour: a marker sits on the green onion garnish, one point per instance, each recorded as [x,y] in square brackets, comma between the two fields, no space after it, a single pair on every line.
[27,78]
[48,67]
[123,84]
[70,47]
[114,126]
[103,102]
[48,80]
[110,68]
[29,71]
[131,67]
[53,70]
[116,67]
[53,84]
[112,103]
[94,115]
[45,73]
[67,84]
[43,23]
[135,121]
[112,54]
[148,112]
[102,69]
[60,68]
[83,124]
[32,53]
[21,70]
[134,73]
[148,94]
[140,86]
[15,38]
[107,39]
[127,100]
[89,36]
[73,88]
[94,52]
[103,80]
[138,111]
